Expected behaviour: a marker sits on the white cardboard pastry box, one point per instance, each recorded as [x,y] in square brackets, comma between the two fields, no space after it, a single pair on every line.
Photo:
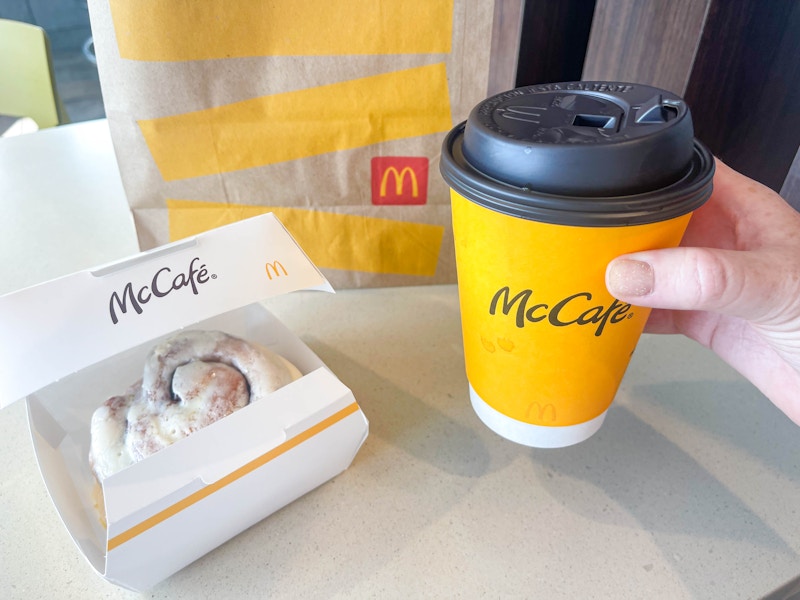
[83,338]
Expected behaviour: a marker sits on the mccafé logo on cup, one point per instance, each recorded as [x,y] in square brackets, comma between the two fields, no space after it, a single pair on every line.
[549,183]
[576,309]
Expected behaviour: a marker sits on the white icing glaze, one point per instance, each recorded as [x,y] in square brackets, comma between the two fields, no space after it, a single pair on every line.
[190,381]
[108,453]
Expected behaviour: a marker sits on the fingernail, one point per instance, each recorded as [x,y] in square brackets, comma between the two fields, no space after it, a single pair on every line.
[630,278]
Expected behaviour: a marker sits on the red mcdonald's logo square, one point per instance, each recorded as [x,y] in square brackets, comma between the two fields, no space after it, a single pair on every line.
[399,180]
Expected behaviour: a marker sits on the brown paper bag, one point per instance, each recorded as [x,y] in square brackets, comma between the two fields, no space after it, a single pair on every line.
[330,113]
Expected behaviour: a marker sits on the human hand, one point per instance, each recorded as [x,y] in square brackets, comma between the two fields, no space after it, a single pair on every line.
[733,285]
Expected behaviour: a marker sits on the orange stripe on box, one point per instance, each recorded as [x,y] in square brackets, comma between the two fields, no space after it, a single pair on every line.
[155,30]
[248,468]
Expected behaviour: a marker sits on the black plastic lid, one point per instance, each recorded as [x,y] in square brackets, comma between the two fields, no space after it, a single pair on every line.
[581,153]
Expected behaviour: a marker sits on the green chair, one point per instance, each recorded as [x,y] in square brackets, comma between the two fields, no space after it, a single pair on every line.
[27,82]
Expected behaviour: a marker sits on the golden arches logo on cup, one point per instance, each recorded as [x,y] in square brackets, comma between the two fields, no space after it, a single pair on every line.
[541,412]
[548,185]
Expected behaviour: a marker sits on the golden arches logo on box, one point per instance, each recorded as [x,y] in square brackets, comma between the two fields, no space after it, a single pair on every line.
[274,269]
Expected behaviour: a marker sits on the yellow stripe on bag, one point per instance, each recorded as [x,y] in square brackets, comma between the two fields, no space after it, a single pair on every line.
[155,30]
[331,240]
[299,124]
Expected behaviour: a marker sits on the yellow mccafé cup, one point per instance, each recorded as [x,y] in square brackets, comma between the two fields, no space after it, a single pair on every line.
[548,184]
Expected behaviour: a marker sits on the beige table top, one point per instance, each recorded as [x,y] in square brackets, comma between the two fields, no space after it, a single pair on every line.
[688,491]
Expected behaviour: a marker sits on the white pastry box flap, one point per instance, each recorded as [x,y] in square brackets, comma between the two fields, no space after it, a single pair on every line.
[57,328]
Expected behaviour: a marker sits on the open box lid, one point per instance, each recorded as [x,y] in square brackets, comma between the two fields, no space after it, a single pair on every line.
[59,327]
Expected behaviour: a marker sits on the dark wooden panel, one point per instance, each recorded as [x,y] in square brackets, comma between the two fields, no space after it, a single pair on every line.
[553,41]
[744,90]
[651,42]
[505,45]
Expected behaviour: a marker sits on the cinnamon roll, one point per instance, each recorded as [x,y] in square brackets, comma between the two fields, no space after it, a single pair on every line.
[189,381]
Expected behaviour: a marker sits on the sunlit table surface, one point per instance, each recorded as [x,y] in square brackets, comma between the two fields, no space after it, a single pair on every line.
[690,489]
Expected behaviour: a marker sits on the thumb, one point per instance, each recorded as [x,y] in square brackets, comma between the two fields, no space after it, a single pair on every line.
[730,282]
